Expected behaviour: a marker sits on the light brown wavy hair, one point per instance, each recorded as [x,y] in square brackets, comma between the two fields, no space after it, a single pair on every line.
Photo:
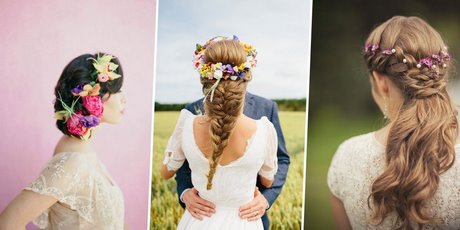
[421,140]
[228,100]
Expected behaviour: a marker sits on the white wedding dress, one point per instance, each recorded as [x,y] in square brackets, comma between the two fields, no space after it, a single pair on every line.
[360,160]
[233,184]
[87,196]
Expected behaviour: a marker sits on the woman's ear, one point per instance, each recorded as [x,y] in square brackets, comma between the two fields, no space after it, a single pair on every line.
[380,83]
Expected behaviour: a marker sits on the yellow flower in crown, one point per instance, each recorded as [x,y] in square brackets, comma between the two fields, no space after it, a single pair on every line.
[246,47]
[223,70]
[105,68]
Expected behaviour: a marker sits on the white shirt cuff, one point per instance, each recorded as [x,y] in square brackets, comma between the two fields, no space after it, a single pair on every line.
[182,195]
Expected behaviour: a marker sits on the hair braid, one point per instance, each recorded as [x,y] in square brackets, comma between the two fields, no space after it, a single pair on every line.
[228,99]
[223,112]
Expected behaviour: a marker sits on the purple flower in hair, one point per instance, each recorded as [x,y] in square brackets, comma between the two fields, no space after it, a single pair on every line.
[89,121]
[78,89]
[367,47]
[436,57]
[446,56]
[427,61]
[235,38]
[387,52]
[371,47]
[374,47]
[229,69]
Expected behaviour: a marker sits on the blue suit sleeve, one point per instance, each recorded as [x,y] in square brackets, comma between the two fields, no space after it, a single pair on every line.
[184,174]
[283,161]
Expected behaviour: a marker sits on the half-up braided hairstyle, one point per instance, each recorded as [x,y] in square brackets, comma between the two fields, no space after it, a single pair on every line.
[228,98]
[421,140]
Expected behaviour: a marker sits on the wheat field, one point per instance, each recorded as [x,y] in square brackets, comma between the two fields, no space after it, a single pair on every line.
[286,211]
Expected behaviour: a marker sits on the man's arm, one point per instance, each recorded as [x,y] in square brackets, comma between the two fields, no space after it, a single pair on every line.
[283,161]
[183,180]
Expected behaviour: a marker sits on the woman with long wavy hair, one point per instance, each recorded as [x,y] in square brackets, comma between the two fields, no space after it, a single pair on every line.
[405,175]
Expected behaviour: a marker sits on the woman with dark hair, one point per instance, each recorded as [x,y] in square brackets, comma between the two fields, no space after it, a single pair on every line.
[405,175]
[74,190]
[225,149]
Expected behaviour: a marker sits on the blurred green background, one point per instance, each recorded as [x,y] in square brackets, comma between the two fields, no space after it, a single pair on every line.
[341,104]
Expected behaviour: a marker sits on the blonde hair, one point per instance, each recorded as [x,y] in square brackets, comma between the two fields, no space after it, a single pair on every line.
[228,100]
[421,141]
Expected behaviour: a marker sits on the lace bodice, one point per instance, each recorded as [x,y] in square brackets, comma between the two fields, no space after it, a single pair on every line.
[360,160]
[234,183]
[87,196]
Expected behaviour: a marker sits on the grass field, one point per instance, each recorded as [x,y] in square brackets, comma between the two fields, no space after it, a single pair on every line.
[287,209]
[327,129]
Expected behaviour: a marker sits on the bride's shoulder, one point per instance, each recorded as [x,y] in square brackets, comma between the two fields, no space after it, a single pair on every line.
[364,142]
[186,113]
[71,158]
[264,120]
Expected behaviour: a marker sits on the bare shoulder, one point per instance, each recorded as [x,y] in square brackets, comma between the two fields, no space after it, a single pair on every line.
[248,123]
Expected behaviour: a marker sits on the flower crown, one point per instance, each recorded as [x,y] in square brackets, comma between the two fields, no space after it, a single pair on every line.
[77,123]
[220,70]
[433,61]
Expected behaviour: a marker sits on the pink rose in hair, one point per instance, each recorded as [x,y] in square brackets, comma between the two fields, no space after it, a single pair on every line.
[74,126]
[94,105]
[102,77]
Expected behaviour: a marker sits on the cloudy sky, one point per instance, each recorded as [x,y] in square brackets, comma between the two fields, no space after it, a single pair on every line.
[279,30]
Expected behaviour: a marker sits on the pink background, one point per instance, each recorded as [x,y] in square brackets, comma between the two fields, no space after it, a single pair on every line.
[38,38]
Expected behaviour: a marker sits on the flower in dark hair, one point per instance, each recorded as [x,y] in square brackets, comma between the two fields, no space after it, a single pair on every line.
[102,77]
[75,126]
[94,105]
[89,121]
[86,89]
[78,89]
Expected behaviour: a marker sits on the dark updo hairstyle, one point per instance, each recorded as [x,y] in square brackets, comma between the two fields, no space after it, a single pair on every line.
[78,72]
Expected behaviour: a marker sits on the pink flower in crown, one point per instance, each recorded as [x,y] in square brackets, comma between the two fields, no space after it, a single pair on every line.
[94,105]
[102,77]
[74,126]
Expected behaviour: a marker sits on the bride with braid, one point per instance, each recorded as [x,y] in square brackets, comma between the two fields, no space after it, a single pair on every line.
[225,149]
[405,175]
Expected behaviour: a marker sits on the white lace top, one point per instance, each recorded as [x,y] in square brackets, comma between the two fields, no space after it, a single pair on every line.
[87,196]
[234,183]
[360,160]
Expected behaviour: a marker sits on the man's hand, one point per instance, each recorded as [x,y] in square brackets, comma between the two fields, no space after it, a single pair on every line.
[254,209]
[197,206]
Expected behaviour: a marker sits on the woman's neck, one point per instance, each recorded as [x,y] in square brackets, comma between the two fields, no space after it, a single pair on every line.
[382,134]
[73,144]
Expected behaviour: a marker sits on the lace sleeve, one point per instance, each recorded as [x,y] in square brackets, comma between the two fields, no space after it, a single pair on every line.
[66,178]
[174,156]
[270,165]
[335,175]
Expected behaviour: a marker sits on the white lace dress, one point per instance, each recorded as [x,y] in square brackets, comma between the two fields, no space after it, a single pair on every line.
[360,160]
[87,196]
[233,184]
